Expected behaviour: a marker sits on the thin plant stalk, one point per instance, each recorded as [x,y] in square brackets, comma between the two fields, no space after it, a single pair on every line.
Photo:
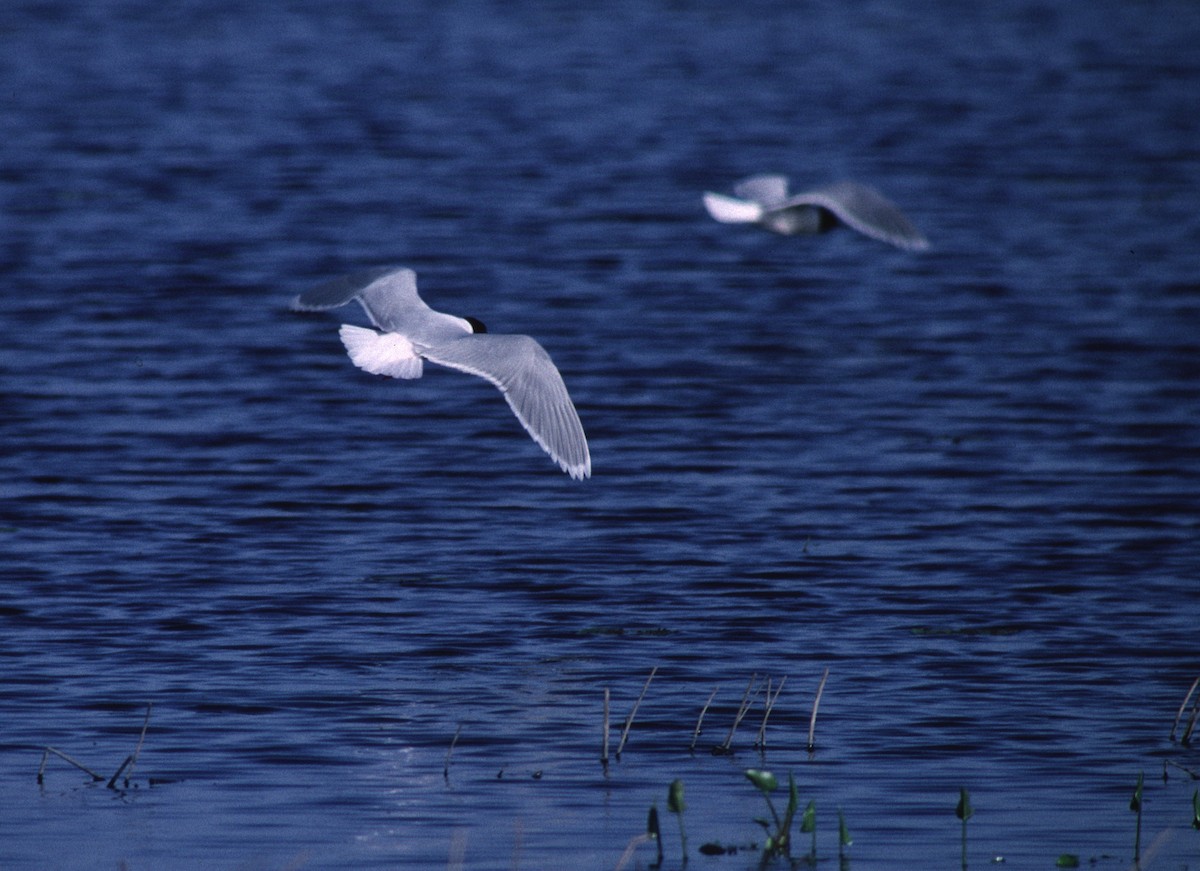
[63,756]
[964,812]
[700,719]
[1135,805]
[633,713]
[812,721]
[676,806]
[747,700]
[1183,707]
[604,733]
[449,752]
[131,760]
[768,706]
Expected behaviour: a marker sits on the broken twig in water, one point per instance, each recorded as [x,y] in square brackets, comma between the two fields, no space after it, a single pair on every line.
[743,708]
[700,719]
[812,721]
[449,751]
[768,706]
[63,756]
[629,719]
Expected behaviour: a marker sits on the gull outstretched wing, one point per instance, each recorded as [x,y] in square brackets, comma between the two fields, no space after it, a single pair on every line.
[865,210]
[531,383]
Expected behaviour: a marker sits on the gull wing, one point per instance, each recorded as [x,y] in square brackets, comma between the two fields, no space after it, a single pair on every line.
[866,210]
[769,191]
[730,210]
[531,383]
[388,295]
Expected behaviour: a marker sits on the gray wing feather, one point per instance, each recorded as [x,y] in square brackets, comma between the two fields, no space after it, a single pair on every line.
[531,383]
[866,210]
[768,191]
[388,295]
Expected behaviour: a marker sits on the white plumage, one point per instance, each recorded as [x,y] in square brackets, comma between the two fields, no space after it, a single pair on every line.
[409,332]
[764,200]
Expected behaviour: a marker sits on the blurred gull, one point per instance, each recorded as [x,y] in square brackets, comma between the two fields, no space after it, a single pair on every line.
[764,200]
[410,332]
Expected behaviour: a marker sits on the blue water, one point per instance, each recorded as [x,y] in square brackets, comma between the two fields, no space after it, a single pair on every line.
[967,481]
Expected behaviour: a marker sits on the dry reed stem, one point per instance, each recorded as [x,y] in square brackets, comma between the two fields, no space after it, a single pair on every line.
[700,719]
[1186,699]
[633,713]
[768,706]
[130,761]
[604,733]
[812,721]
[1187,733]
[63,756]
[747,700]
[634,843]
[449,751]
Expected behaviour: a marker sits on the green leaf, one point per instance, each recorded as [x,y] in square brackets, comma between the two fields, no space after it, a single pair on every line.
[843,832]
[793,796]
[1067,860]
[1196,809]
[764,780]
[675,797]
[1135,803]
[964,811]
[808,822]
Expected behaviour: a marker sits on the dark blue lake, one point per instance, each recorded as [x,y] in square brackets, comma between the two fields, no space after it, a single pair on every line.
[966,481]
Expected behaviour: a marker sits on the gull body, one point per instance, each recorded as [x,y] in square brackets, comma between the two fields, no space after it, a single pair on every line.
[764,200]
[408,332]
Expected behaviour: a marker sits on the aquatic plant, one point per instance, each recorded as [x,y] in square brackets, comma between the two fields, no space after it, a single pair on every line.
[844,839]
[1187,732]
[125,768]
[812,721]
[808,825]
[1135,805]
[633,712]
[964,812]
[743,708]
[676,806]
[449,753]
[700,719]
[779,841]
[768,706]
[1196,809]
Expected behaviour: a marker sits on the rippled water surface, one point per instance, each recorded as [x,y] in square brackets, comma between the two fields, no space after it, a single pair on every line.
[965,481]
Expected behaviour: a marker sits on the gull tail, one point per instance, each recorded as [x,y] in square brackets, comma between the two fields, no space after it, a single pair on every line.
[730,210]
[381,353]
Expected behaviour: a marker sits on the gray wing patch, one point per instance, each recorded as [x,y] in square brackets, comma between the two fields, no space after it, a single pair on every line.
[769,191]
[531,383]
[388,295]
[865,210]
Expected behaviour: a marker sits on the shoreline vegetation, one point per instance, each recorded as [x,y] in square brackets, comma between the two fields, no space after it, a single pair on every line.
[776,847]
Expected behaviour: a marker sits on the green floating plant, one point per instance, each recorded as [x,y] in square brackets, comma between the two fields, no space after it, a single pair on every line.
[676,806]
[1067,860]
[808,825]
[779,841]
